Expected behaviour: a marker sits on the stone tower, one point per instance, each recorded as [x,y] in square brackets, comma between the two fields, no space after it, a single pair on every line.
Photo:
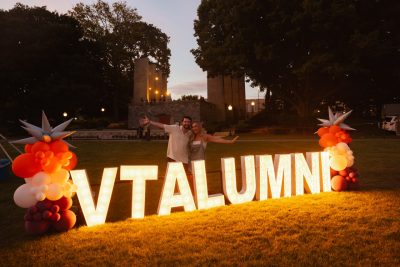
[149,83]
[226,91]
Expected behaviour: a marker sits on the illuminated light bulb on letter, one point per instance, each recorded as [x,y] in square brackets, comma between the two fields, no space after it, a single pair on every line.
[204,201]
[139,175]
[273,178]
[326,172]
[94,216]
[175,175]
[248,179]
[307,180]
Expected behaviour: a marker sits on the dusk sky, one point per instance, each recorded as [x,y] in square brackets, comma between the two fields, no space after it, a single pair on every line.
[175,18]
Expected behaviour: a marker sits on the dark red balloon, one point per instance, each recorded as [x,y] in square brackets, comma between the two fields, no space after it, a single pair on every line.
[64,203]
[46,215]
[67,221]
[37,228]
[37,217]
[55,208]
[55,217]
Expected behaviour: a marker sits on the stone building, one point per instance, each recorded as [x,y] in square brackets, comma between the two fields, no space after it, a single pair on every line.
[227,93]
[226,99]
[150,84]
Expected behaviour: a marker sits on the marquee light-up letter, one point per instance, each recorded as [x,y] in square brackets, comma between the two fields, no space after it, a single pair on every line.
[94,216]
[175,175]
[304,174]
[139,175]
[326,172]
[204,201]
[248,179]
[271,177]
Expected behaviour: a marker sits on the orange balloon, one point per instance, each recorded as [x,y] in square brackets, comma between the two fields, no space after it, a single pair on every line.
[334,129]
[323,130]
[72,162]
[28,148]
[58,147]
[53,166]
[25,166]
[40,146]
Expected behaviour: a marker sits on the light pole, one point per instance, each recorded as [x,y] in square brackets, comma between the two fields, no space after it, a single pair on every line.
[252,107]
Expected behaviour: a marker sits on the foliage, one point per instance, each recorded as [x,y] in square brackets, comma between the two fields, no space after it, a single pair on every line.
[304,51]
[123,37]
[45,65]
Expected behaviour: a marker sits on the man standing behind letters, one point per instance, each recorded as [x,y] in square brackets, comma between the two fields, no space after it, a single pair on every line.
[178,139]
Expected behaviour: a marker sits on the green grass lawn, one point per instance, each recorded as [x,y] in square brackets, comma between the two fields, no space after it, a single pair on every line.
[348,228]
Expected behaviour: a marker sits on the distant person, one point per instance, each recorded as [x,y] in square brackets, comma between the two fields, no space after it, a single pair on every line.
[199,140]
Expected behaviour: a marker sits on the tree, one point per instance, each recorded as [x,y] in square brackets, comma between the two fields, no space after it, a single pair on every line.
[303,51]
[45,65]
[123,37]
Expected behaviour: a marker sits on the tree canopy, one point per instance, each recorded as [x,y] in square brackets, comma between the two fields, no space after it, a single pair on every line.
[304,51]
[123,37]
[45,65]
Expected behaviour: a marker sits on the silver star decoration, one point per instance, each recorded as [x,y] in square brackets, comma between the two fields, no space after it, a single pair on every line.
[46,133]
[336,119]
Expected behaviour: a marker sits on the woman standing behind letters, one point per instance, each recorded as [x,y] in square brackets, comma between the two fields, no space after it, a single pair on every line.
[199,140]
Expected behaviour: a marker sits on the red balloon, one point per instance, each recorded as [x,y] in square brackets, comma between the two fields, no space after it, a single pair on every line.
[339,183]
[37,228]
[28,148]
[333,172]
[40,146]
[344,172]
[72,162]
[65,203]
[328,140]
[323,130]
[334,129]
[24,166]
[58,146]
[67,221]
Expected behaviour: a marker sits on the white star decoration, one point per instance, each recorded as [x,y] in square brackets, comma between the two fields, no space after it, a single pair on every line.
[46,133]
[336,119]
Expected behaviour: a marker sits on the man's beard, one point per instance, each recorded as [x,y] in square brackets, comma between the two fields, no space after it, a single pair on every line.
[187,127]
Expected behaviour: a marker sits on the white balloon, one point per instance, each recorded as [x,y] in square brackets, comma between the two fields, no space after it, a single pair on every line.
[40,196]
[41,178]
[23,196]
[44,188]
[342,147]
[55,192]
[60,177]
[28,180]
[338,163]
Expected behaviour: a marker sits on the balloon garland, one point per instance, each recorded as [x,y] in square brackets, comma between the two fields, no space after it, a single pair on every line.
[334,138]
[47,191]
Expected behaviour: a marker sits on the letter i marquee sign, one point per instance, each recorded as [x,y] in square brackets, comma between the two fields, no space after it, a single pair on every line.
[263,177]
